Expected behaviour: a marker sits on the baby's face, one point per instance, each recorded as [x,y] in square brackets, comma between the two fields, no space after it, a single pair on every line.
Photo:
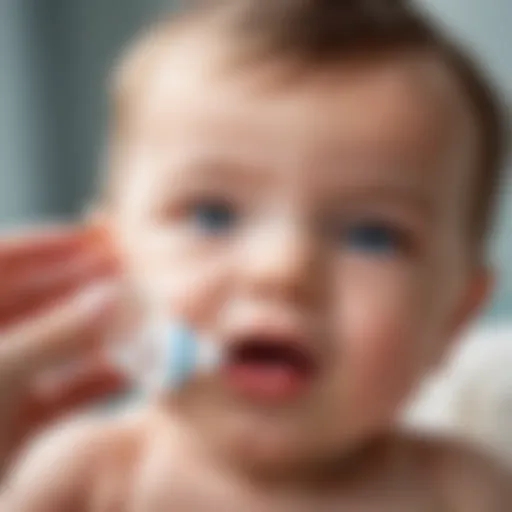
[317,228]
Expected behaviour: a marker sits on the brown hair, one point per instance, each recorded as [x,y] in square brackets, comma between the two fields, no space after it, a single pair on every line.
[316,32]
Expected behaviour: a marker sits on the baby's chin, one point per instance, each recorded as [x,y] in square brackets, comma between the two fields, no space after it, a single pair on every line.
[269,449]
[270,445]
[272,441]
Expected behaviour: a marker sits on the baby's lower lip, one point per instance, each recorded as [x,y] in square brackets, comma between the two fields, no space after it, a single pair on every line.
[271,383]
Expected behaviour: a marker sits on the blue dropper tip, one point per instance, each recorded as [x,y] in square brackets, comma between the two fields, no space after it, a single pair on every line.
[181,356]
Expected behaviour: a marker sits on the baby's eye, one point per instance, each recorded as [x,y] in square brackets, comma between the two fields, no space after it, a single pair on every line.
[213,216]
[372,237]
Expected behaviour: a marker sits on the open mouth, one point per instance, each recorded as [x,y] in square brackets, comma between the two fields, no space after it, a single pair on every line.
[270,369]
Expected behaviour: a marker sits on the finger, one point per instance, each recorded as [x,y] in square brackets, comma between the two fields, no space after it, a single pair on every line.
[18,250]
[58,334]
[86,382]
[28,293]
[92,384]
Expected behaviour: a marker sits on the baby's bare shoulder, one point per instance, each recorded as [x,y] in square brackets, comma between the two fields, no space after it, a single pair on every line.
[465,477]
[62,468]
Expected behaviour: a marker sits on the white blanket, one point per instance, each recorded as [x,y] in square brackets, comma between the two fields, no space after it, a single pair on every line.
[472,394]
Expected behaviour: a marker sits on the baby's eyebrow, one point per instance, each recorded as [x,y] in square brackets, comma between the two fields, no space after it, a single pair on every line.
[212,168]
[406,196]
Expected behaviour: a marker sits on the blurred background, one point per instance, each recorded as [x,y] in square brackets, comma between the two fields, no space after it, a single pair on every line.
[55,56]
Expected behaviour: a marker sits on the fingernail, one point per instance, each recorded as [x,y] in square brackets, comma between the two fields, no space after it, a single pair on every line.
[98,298]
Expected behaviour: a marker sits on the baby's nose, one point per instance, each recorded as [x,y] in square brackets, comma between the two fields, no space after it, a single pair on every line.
[282,262]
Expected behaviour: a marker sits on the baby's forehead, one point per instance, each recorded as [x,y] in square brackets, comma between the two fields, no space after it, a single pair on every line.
[189,83]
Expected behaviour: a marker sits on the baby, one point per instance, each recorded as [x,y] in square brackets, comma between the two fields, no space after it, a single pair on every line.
[309,183]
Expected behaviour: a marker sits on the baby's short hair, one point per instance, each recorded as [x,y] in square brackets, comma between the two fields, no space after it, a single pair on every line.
[327,32]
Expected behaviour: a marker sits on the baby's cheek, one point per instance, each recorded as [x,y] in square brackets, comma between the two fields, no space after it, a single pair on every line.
[193,292]
[377,328]
[188,285]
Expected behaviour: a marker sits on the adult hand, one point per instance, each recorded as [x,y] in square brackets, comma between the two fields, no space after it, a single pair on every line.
[56,296]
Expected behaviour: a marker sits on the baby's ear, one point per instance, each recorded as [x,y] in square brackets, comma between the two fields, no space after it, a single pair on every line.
[474,298]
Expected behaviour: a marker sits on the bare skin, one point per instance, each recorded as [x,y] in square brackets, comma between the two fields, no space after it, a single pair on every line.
[148,463]
[297,174]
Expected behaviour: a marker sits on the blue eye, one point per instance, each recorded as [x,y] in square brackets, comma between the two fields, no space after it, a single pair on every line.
[214,216]
[372,238]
